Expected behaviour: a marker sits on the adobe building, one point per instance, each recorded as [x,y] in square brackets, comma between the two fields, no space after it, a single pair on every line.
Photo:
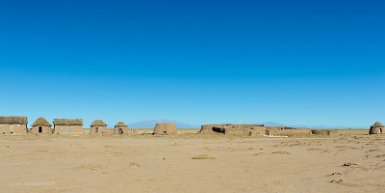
[324,132]
[10,125]
[377,128]
[165,129]
[41,126]
[121,129]
[68,126]
[234,129]
[252,130]
[287,131]
[98,127]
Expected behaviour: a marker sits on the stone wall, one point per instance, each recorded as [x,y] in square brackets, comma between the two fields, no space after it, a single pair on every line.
[234,129]
[100,130]
[165,129]
[9,129]
[41,130]
[283,131]
[68,130]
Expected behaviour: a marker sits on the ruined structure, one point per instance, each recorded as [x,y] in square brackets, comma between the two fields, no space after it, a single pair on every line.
[165,129]
[320,132]
[377,128]
[287,131]
[234,129]
[252,130]
[68,126]
[121,129]
[98,127]
[13,125]
[41,126]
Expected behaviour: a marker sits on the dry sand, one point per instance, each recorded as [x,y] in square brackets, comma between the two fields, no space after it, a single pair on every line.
[191,163]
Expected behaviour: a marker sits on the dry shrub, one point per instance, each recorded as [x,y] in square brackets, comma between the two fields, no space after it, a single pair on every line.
[349,164]
[334,181]
[203,156]
[281,152]
[133,164]
[314,149]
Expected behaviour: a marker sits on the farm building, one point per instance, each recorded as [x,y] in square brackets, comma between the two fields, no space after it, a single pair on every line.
[121,129]
[234,129]
[41,126]
[98,127]
[320,132]
[165,129]
[68,126]
[287,131]
[377,128]
[252,130]
[13,125]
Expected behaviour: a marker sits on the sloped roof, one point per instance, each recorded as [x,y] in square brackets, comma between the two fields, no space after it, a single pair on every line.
[120,124]
[68,122]
[378,124]
[13,120]
[41,121]
[98,123]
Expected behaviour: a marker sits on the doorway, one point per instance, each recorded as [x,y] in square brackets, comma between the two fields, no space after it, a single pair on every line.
[40,130]
[120,131]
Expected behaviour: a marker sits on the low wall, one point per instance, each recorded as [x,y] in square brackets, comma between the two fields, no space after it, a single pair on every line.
[233,129]
[69,130]
[9,129]
[320,132]
[288,132]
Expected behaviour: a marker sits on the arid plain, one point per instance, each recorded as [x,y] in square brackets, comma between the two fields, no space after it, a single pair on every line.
[349,161]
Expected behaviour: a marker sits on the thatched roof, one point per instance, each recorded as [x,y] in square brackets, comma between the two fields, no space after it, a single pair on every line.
[120,124]
[13,120]
[68,122]
[99,123]
[377,124]
[41,121]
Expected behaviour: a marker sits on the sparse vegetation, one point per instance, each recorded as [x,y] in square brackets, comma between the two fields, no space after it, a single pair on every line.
[203,157]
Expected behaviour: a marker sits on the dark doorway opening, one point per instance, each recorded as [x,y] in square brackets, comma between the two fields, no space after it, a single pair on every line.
[165,132]
[380,130]
[219,130]
[96,130]
[120,131]
[40,130]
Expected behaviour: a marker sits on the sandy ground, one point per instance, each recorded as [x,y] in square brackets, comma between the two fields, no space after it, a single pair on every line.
[191,164]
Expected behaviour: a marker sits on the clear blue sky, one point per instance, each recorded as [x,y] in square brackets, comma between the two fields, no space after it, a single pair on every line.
[293,62]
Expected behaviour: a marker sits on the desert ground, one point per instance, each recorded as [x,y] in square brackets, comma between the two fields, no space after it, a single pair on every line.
[192,163]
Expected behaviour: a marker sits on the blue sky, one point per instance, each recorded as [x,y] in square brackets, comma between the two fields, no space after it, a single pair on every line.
[311,63]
